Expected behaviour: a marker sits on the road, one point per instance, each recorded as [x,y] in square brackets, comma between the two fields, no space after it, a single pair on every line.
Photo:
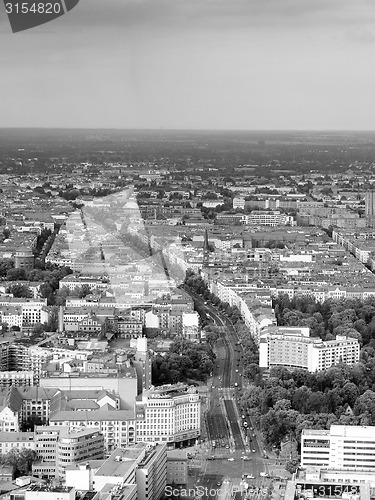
[231,452]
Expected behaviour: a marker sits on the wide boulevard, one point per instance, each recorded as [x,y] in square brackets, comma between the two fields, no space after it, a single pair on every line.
[231,452]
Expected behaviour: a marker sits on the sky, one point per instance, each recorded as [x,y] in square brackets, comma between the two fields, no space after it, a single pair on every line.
[194,64]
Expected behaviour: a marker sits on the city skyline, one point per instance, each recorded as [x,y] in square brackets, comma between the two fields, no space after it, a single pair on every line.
[258,65]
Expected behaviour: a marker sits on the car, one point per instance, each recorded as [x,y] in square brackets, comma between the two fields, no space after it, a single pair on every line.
[253,451]
[235,384]
[230,459]
[227,446]
[219,483]
[237,371]
[250,476]
[243,416]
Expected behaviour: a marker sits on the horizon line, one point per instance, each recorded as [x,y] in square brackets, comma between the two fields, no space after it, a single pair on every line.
[328,130]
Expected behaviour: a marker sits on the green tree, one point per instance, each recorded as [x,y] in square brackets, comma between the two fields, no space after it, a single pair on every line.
[21,459]
[291,466]
[19,291]
[16,275]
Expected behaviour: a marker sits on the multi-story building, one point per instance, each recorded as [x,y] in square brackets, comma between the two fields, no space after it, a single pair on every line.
[124,326]
[268,218]
[151,473]
[168,414]
[11,316]
[326,488]
[59,447]
[33,310]
[28,358]
[18,440]
[123,381]
[10,409]
[78,445]
[143,365]
[143,466]
[239,202]
[370,204]
[177,467]
[72,282]
[342,447]
[190,326]
[117,426]
[293,347]
[36,404]
[17,378]
[47,492]
[24,259]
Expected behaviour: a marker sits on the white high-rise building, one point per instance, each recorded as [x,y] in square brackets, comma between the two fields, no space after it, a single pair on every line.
[370,204]
[293,348]
[341,447]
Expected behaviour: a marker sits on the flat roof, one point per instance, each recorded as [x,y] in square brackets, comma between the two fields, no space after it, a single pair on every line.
[120,467]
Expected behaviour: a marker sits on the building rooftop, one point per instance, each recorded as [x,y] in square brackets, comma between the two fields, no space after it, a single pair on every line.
[120,462]
[12,437]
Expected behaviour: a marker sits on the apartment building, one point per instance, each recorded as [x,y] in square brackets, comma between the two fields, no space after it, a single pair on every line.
[18,440]
[72,282]
[292,347]
[33,310]
[342,447]
[17,378]
[268,218]
[36,403]
[20,404]
[11,316]
[253,303]
[168,414]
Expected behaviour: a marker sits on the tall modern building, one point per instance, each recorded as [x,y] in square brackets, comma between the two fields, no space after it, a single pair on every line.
[370,204]
[341,447]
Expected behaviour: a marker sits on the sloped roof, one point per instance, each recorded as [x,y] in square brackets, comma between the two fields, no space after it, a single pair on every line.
[11,399]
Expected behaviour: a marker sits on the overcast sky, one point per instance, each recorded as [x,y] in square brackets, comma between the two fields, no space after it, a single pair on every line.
[196,64]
